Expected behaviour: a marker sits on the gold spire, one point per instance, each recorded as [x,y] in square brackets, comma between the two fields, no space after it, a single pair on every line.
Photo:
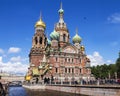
[40,15]
[76,30]
[40,22]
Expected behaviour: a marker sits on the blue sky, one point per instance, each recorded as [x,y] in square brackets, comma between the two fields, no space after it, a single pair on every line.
[97,21]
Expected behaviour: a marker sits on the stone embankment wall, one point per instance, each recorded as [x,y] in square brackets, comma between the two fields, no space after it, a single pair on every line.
[88,90]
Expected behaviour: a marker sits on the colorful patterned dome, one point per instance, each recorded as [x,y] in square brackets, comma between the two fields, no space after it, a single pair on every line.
[77,39]
[54,35]
[40,23]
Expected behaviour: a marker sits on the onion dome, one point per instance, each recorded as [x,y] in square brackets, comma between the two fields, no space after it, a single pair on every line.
[48,41]
[76,38]
[82,48]
[40,23]
[61,11]
[54,35]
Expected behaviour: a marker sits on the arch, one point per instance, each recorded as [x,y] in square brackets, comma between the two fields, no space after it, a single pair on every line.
[36,40]
[40,40]
[64,37]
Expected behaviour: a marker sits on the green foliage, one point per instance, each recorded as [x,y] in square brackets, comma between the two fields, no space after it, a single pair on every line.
[104,71]
[107,71]
[118,67]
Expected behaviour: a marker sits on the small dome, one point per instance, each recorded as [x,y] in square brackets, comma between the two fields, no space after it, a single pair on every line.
[82,48]
[40,23]
[61,11]
[77,39]
[48,41]
[54,35]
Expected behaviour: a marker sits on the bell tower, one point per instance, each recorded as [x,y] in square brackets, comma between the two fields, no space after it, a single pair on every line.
[39,42]
[61,28]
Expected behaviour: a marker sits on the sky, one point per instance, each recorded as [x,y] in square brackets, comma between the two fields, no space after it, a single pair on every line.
[98,23]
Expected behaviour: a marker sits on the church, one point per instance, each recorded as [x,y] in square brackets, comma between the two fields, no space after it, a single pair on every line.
[57,57]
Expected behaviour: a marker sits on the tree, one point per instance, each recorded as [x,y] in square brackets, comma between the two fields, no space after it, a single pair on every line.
[118,66]
[103,71]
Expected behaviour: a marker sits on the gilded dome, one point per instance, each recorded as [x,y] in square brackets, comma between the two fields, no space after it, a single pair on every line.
[77,39]
[82,48]
[40,23]
[54,35]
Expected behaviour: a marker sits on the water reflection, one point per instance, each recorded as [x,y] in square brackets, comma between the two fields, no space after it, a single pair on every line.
[17,91]
[20,91]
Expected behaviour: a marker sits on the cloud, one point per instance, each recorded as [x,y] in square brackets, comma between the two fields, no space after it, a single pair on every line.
[96,59]
[0,59]
[14,66]
[1,51]
[114,18]
[109,61]
[14,50]
[15,59]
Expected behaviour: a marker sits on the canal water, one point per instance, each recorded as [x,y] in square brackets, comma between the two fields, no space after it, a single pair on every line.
[20,91]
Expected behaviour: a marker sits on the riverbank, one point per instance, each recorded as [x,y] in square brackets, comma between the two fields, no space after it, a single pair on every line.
[35,87]
[90,90]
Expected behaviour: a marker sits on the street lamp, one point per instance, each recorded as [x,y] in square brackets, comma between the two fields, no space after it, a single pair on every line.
[116,76]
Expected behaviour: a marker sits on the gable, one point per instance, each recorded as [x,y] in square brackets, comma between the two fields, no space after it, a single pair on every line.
[69,49]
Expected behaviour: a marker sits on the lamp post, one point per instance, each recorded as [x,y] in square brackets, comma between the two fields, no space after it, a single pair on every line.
[116,76]
[109,75]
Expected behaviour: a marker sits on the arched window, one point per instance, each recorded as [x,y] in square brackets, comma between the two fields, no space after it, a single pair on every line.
[65,59]
[65,70]
[68,59]
[36,41]
[40,40]
[64,37]
[80,70]
[69,70]
[56,70]
[56,59]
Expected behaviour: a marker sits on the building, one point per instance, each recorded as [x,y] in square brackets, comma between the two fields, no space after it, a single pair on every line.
[57,57]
